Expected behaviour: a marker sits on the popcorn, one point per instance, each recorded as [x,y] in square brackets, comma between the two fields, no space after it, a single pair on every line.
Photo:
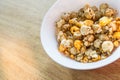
[116,35]
[74,29]
[104,21]
[89,35]
[85,30]
[88,22]
[60,23]
[78,44]
[107,46]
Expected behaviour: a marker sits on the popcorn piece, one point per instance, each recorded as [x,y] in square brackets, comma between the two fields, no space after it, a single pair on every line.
[85,59]
[85,30]
[88,22]
[88,52]
[60,36]
[91,53]
[97,43]
[104,21]
[60,23]
[107,46]
[66,43]
[113,25]
[90,38]
[97,28]
[73,51]
[83,49]
[110,12]
[89,13]
[73,21]
[103,37]
[77,34]
[116,35]
[78,44]
[79,58]
[86,43]
[62,48]
[74,29]
[103,56]
[72,56]
[116,43]
[66,16]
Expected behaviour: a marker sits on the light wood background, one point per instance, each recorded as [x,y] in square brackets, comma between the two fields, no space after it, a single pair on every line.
[21,54]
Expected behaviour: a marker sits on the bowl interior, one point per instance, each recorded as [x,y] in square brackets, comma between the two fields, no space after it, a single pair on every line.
[48,37]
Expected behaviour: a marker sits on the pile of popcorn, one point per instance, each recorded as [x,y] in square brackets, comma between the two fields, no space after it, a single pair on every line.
[89,35]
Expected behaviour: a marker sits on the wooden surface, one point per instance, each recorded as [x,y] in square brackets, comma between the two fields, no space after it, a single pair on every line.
[21,54]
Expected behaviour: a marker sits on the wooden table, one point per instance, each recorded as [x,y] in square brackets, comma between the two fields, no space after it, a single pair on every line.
[21,54]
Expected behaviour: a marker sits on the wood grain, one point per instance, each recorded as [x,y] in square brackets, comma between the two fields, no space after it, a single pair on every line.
[21,54]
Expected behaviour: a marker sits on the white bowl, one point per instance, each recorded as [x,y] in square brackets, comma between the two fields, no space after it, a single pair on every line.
[48,37]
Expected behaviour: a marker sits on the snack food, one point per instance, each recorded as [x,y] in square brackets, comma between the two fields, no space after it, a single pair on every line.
[89,35]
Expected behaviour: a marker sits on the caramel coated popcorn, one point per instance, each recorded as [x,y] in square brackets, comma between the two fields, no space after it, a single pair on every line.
[90,34]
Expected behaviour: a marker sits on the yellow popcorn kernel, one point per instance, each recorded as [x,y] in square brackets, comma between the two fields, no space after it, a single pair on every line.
[74,29]
[116,35]
[118,29]
[116,43]
[78,24]
[75,22]
[72,56]
[118,25]
[99,57]
[88,22]
[61,48]
[78,44]
[85,59]
[118,19]
[104,21]
[118,22]
[67,53]
[72,21]
[96,59]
